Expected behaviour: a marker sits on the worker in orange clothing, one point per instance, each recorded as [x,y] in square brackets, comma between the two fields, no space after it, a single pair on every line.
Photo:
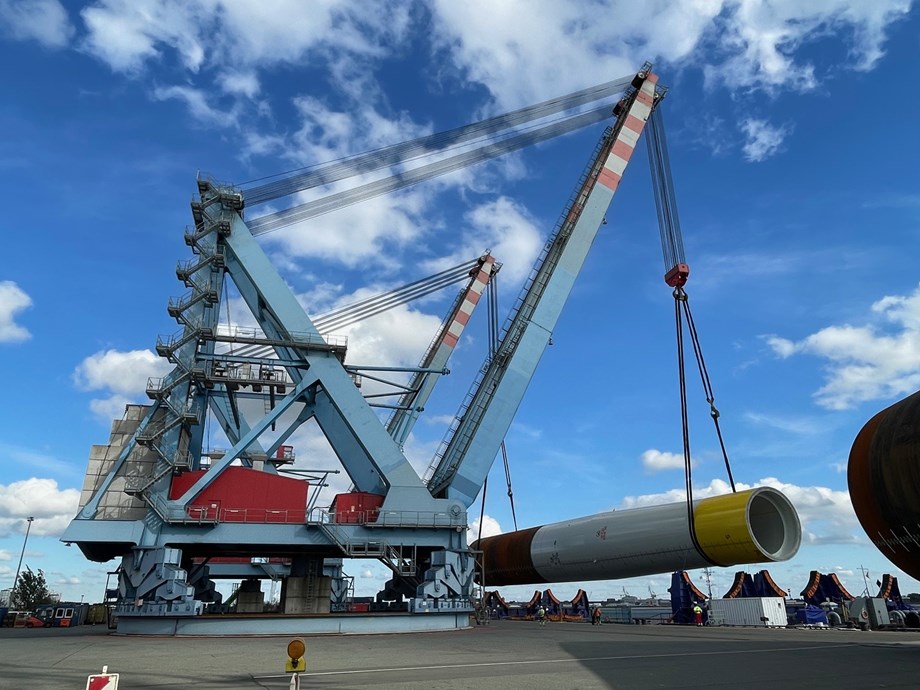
[596,616]
[697,614]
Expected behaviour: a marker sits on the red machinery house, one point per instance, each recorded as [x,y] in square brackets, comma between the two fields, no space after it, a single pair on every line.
[240,494]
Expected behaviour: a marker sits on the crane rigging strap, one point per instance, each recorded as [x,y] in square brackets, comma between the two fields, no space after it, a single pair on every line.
[704,377]
[300,179]
[681,310]
[681,296]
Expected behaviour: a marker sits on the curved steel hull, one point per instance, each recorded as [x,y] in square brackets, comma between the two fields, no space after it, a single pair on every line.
[883,475]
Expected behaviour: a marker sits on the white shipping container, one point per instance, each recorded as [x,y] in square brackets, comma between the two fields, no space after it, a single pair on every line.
[758,611]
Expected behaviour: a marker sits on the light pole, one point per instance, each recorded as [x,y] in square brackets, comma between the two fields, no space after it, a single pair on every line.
[24,542]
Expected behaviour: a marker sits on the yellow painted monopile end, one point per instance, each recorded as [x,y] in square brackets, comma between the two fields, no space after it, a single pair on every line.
[753,526]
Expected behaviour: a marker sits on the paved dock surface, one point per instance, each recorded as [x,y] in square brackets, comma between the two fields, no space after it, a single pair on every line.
[503,655]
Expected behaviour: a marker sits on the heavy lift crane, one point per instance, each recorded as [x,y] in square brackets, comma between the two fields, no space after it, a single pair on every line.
[151,497]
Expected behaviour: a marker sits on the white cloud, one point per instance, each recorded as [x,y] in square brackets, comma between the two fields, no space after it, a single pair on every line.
[240,83]
[759,40]
[398,337]
[740,44]
[122,374]
[782,347]
[5,555]
[826,515]
[64,580]
[511,233]
[45,21]
[763,140]
[798,425]
[657,460]
[864,362]
[52,507]
[127,33]
[198,104]
[526,51]
[507,230]
[490,527]
[355,235]
[755,43]
[12,300]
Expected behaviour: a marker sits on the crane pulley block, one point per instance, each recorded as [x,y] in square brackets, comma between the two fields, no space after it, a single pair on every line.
[677,276]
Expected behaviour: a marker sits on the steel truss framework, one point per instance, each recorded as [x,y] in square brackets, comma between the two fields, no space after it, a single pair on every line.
[420,529]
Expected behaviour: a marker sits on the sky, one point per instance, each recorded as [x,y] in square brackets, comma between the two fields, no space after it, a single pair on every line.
[793,145]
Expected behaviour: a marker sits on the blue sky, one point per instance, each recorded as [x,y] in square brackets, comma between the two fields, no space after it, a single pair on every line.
[793,142]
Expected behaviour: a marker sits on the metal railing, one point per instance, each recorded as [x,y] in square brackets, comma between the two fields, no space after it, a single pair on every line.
[250,515]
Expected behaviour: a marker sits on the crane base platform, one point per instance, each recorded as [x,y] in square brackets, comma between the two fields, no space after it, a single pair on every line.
[231,625]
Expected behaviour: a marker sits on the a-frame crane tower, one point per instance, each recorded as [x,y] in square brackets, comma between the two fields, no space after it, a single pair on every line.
[178,517]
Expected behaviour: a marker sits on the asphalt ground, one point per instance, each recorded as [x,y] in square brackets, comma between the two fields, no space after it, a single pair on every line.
[503,654]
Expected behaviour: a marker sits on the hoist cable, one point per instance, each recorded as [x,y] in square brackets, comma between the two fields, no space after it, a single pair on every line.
[376,304]
[307,177]
[493,348]
[482,510]
[672,246]
[508,480]
[493,337]
[332,202]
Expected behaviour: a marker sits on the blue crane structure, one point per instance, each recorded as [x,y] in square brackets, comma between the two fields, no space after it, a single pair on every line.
[179,516]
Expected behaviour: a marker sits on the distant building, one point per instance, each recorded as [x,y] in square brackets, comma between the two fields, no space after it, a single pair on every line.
[5,596]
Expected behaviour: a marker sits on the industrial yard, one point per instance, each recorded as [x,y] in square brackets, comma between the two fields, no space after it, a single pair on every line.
[501,654]
[414,274]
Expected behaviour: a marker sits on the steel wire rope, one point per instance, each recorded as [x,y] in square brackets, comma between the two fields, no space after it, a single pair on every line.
[680,295]
[275,221]
[673,253]
[482,509]
[376,304]
[672,247]
[707,386]
[338,169]
[493,348]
